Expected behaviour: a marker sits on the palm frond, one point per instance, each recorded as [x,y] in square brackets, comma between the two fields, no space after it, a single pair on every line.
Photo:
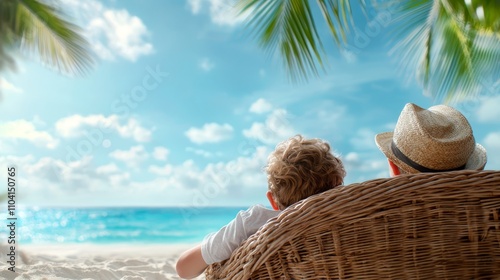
[451,49]
[338,16]
[7,20]
[57,41]
[481,15]
[452,74]
[289,27]
[414,50]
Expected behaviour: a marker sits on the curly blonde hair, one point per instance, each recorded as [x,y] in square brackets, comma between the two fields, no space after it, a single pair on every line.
[299,168]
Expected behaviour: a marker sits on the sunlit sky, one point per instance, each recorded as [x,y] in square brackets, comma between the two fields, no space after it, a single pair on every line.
[183,108]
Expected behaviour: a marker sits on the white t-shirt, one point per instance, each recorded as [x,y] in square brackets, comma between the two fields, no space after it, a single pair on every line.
[220,245]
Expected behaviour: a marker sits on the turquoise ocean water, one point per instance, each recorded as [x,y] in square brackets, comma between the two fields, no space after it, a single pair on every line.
[120,225]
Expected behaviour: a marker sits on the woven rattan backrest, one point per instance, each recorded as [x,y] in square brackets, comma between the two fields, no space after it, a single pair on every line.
[422,226]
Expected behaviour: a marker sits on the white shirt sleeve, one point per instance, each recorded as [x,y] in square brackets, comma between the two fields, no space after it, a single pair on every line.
[220,245]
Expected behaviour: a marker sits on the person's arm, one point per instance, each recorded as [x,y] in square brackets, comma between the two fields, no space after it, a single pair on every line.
[191,263]
[219,246]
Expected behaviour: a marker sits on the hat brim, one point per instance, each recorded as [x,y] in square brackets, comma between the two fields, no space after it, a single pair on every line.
[476,161]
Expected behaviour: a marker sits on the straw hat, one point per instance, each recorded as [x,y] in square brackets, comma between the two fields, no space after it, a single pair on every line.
[433,140]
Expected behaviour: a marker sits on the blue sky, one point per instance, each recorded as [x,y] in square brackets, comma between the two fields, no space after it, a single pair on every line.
[183,108]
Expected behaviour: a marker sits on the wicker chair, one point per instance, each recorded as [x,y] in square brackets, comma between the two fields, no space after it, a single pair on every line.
[422,226]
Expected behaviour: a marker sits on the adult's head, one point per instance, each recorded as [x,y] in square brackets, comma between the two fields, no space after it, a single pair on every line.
[299,168]
[437,139]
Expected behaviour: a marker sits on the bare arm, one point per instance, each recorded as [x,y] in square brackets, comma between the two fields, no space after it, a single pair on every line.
[191,263]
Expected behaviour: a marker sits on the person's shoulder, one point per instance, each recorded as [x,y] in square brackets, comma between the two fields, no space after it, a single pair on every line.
[259,211]
[258,208]
[261,208]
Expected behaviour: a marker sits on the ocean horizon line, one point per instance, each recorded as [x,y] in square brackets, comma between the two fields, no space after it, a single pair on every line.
[21,207]
[102,225]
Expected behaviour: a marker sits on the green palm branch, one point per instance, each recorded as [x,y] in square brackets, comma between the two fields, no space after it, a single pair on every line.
[453,46]
[36,27]
[289,27]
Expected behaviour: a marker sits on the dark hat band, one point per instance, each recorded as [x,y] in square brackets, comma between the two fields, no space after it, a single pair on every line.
[402,157]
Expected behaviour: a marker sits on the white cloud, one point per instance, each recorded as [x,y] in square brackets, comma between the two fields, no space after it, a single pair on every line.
[351,161]
[363,162]
[349,56]
[364,139]
[165,170]
[112,32]
[217,181]
[25,130]
[493,140]
[261,106]
[200,152]
[132,157]
[206,65]
[160,153]
[195,6]
[488,110]
[327,116]
[275,129]
[7,86]
[222,12]
[56,171]
[237,182]
[17,160]
[107,169]
[492,146]
[183,177]
[363,166]
[82,182]
[352,157]
[60,180]
[124,35]
[210,133]
[134,130]
[78,125]
[72,126]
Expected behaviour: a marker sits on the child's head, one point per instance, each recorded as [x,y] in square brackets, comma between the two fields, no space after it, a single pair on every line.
[299,168]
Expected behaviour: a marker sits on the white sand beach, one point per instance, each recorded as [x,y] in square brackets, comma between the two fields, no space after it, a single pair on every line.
[99,262]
